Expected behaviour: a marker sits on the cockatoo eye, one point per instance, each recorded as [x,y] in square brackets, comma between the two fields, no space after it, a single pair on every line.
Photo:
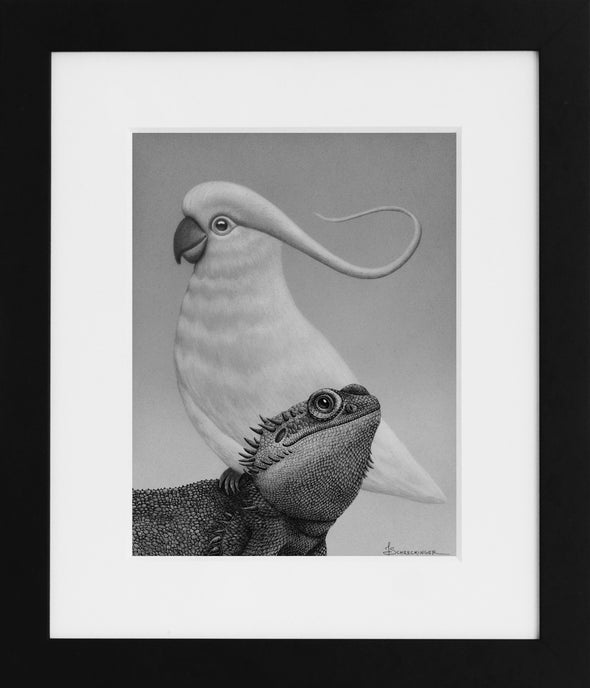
[222,225]
[324,404]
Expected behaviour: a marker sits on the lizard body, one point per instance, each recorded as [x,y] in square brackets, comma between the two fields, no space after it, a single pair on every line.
[303,469]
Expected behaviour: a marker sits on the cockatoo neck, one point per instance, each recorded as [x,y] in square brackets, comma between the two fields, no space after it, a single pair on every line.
[245,266]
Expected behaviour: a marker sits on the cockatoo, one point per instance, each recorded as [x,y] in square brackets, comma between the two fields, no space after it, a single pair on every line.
[242,346]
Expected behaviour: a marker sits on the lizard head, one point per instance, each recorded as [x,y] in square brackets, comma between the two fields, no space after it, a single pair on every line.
[310,460]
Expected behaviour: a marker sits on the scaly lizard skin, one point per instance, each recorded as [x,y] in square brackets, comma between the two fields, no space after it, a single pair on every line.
[303,470]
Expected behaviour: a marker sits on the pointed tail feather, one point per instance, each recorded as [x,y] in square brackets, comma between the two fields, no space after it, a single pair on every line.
[397,473]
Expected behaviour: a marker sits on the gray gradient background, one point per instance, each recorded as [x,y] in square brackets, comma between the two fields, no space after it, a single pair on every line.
[398,333]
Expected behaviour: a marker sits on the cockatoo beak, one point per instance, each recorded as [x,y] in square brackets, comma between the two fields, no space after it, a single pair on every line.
[190,241]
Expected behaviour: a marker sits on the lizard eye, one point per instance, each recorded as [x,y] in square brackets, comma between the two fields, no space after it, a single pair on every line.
[324,404]
[222,225]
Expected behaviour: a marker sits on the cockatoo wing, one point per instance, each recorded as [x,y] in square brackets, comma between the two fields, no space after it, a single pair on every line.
[224,446]
[396,472]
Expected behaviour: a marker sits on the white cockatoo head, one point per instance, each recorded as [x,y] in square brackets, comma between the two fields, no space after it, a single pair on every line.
[222,218]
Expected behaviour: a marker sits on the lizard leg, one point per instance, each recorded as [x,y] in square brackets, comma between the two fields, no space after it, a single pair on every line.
[229,481]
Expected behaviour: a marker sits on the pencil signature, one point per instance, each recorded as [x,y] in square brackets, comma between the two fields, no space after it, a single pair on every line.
[391,551]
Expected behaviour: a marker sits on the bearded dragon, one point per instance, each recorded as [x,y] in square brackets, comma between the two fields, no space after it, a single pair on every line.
[302,470]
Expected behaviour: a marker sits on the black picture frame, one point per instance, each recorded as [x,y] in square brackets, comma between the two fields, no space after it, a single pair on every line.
[558,30]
